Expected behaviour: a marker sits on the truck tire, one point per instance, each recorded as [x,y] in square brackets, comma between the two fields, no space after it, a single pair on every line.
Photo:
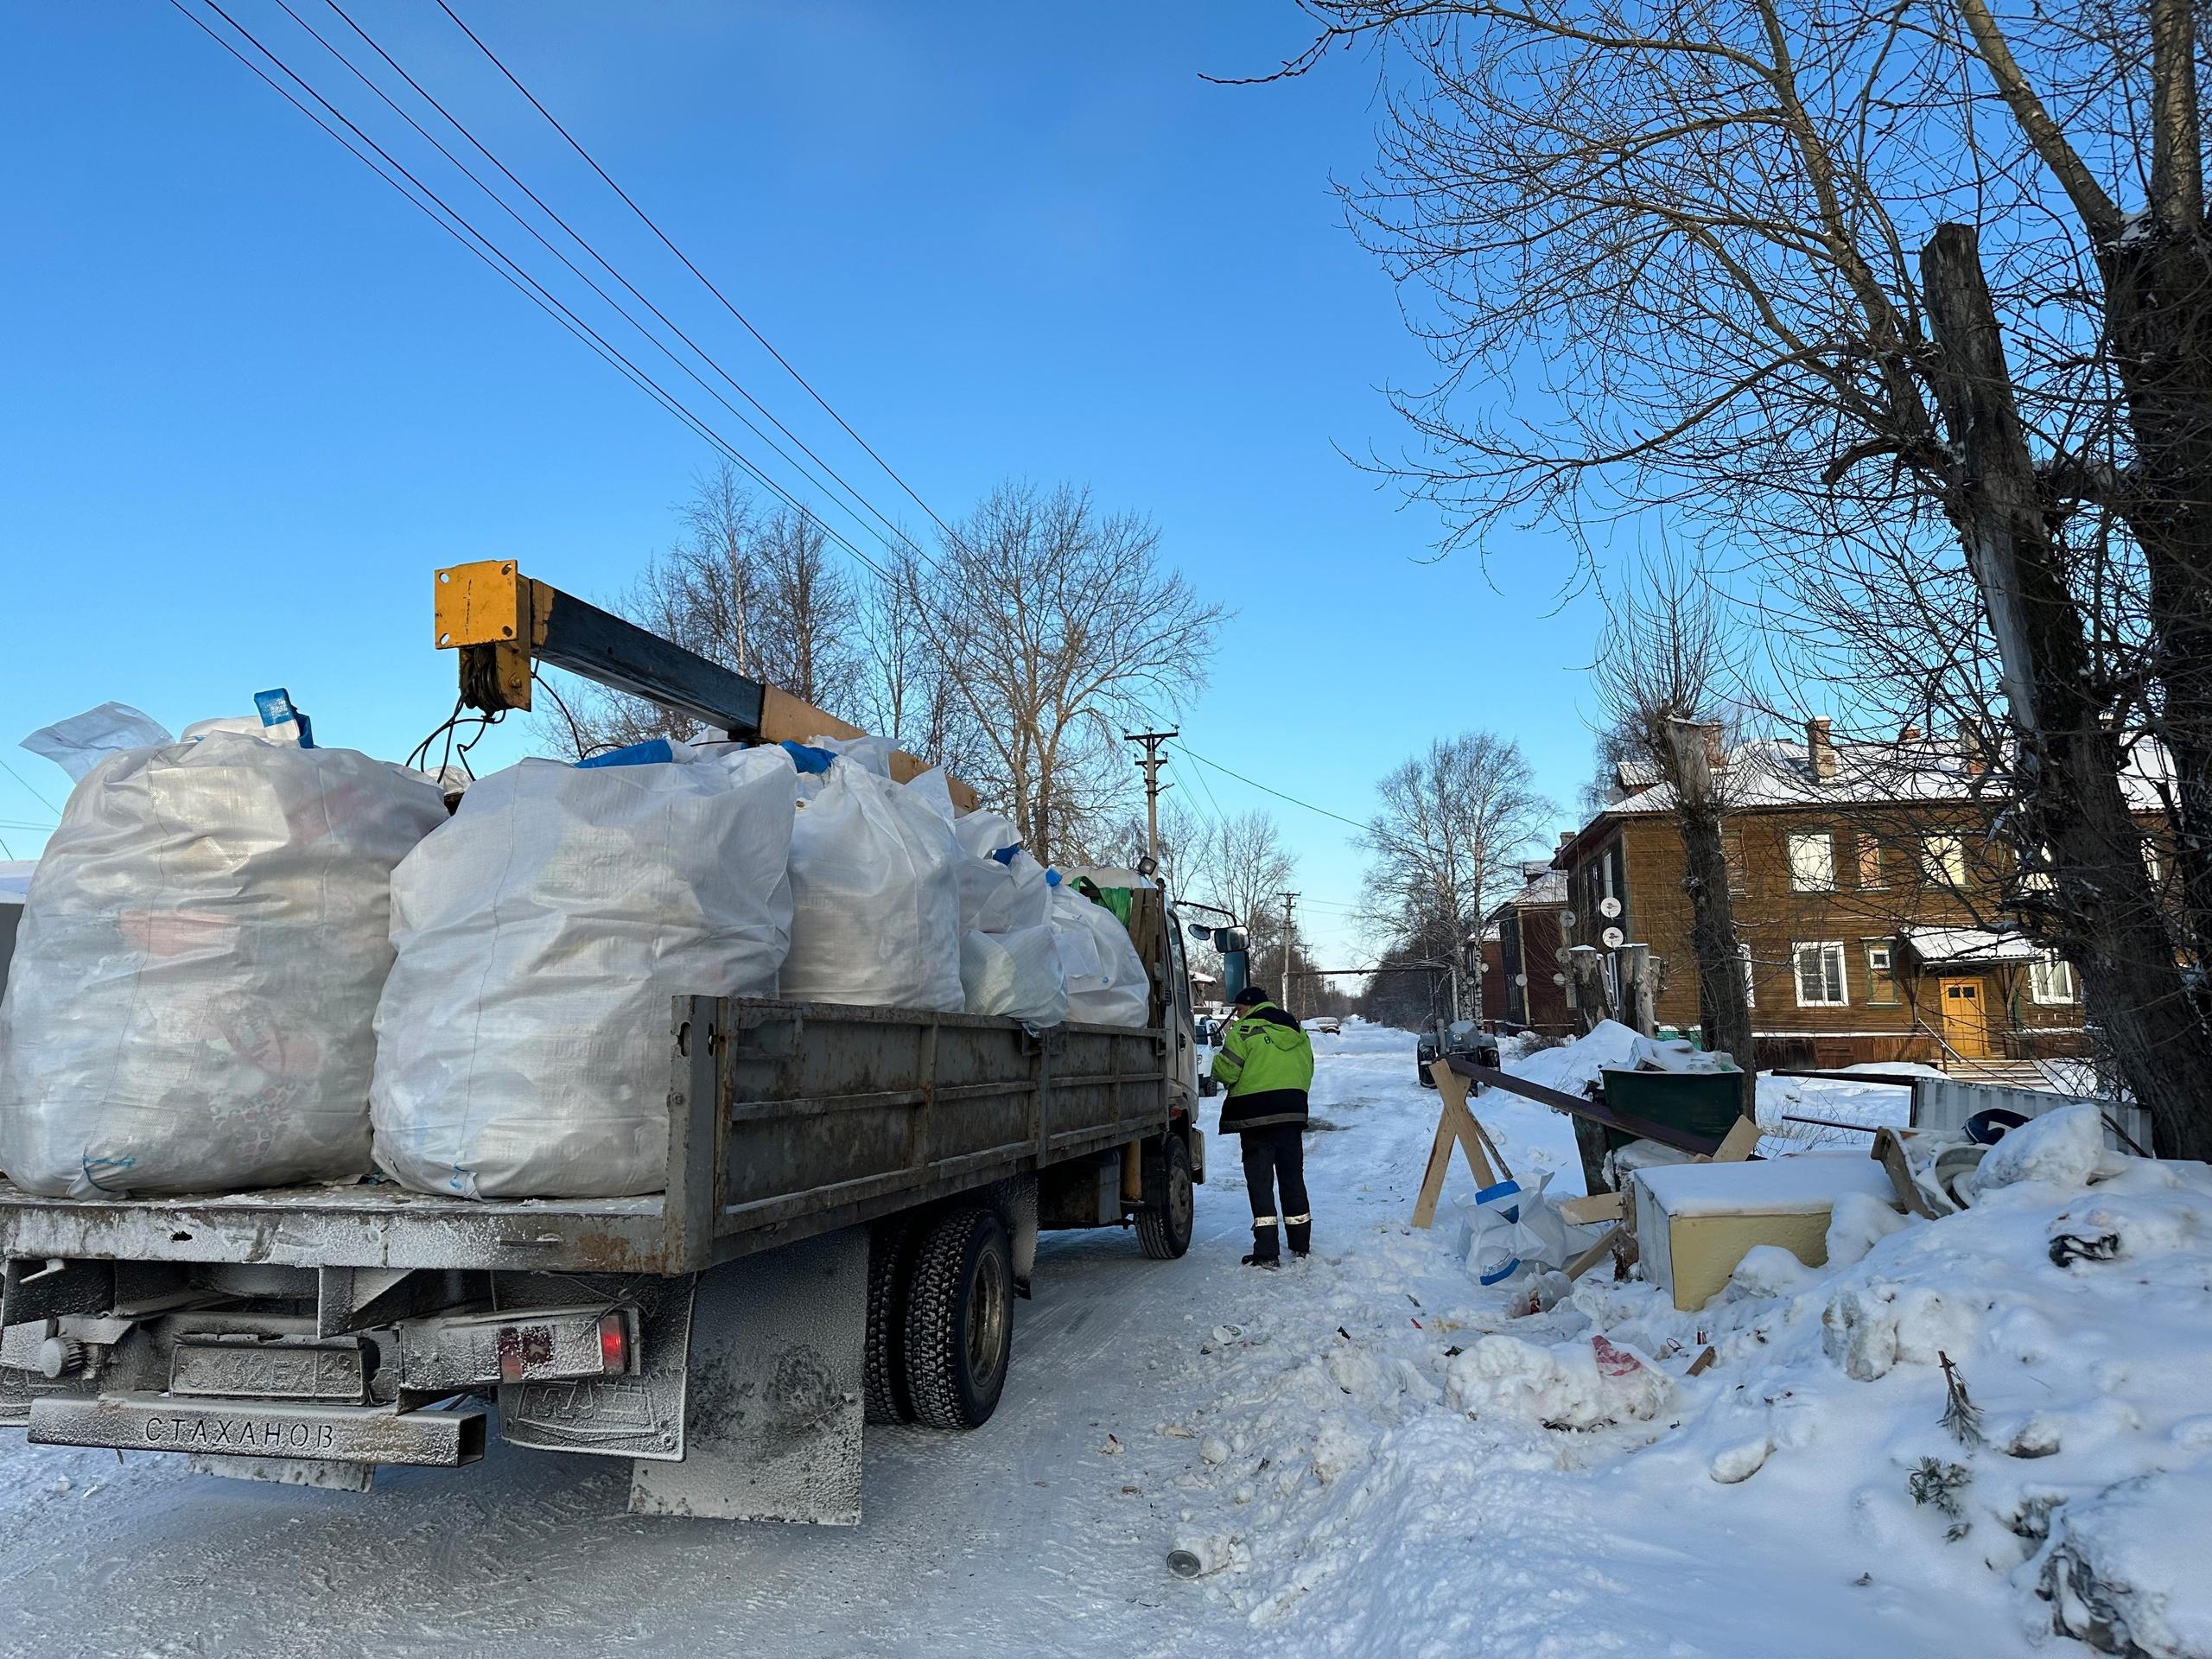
[959,1323]
[1165,1229]
[890,1250]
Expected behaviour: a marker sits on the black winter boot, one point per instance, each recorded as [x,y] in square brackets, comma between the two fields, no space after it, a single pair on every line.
[1301,1235]
[1266,1251]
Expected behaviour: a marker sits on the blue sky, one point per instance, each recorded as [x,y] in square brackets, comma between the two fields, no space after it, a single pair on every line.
[255,397]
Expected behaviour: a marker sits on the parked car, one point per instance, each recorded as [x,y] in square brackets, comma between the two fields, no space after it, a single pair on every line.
[1328,1024]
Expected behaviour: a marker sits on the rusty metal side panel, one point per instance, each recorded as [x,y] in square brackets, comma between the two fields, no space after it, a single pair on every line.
[836,1113]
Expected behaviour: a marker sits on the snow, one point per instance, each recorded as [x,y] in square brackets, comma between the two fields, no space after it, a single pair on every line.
[1798,1185]
[1357,1451]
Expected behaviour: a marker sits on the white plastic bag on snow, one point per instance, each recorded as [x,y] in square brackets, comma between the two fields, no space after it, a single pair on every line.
[190,1003]
[1106,984]
[523,1041]
[875,898]
[1514,1229]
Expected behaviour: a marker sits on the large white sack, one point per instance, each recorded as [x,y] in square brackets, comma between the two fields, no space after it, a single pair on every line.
[1106,984]
[523,1041]
[189,1006]
[1001,888]
[1015,974]
[876,899]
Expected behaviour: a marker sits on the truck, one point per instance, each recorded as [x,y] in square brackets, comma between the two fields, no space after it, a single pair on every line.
[852,1209]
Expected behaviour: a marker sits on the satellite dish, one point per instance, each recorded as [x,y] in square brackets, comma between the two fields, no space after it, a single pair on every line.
[1562,955]
[1609,907]
[1566,918]
[1613,938]
[1559,979]
[1521,980]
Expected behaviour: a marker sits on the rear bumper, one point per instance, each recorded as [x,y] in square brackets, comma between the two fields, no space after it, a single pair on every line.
[258,1428]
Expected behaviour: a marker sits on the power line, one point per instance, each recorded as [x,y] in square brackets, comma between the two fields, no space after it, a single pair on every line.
[520,283]
[494,256]
[646,219]
[604,263]
[28,789]
[1266,789]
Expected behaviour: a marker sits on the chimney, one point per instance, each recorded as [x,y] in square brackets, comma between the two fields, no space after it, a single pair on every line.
[1716,750]
[1908,734]
[1972,751]
[1564,837]
[1819,751]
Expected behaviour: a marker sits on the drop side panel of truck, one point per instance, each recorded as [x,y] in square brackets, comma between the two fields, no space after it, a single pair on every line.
[786,1120]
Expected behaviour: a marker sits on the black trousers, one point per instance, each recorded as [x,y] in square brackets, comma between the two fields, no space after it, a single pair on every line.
[1275,1159]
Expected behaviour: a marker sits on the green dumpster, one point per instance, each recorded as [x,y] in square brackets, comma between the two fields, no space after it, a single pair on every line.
[1700,1102]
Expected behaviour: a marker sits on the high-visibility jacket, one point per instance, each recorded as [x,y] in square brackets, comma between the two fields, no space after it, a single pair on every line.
[1265,1064]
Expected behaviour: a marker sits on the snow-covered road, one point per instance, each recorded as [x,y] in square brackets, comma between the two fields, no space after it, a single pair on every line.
[1305,1427]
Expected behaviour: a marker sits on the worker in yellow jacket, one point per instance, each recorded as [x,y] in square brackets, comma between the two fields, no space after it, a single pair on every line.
[1265,1064]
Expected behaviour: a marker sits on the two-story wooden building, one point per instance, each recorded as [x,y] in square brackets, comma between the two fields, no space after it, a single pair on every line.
[1529,935]
[1869,895]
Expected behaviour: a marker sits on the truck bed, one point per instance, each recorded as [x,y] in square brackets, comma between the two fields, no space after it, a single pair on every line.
[786,1120]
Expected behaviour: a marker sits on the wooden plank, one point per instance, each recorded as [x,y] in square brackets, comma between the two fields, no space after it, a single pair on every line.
[1627,1123]
[1738,1144]
[1598,1206]
[1595,1253]
[784,718]
[1455,1126]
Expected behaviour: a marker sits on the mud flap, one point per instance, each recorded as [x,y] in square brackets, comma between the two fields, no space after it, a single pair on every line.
[775,1399]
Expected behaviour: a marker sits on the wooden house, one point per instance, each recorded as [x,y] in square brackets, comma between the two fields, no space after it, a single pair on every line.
[1532,994]
[1870,899]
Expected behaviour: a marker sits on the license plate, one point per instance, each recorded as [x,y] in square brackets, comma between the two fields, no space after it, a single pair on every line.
[269,1370]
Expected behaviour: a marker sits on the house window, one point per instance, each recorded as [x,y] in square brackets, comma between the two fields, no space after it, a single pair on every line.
[2150,864]
[2051,979]
[1881,983]
[1943,861]
[1870,862]
[1819,974]
[1732,853]
[1812,863]
[1751,983]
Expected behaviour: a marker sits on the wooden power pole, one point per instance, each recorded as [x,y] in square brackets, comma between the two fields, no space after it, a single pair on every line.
[1149,764]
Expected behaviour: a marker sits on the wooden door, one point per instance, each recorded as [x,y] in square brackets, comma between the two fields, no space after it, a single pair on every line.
[1966,1018]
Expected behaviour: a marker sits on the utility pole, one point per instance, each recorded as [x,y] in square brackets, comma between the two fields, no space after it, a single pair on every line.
[1149,764]
[1288,900]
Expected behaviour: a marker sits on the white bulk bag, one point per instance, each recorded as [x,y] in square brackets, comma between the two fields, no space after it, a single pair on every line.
[1107,983]
[998,895]
[1016,974]
[522,1042]
[189,1006]
[875,898]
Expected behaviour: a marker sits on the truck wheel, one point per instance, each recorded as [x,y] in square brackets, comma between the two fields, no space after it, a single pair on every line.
[1164,1231]
[959,1324]
[889,1251]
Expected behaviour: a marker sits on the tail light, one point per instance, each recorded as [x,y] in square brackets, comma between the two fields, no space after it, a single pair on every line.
[614,1344]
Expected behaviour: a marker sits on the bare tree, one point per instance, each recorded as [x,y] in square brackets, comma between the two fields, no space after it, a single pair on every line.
[1241,864]
[1764,255]
[1444,842]
[1665,670]
[806,632]
[1056,625]
[754,591]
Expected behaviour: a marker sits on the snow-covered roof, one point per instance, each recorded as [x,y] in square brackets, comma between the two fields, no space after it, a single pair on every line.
[15,880]
[1546,887]
[1769,773]
[1946,946]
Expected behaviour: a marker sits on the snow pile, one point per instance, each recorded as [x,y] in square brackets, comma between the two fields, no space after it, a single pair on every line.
[1565,1385]
[1386,1433]
[1609,1046]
